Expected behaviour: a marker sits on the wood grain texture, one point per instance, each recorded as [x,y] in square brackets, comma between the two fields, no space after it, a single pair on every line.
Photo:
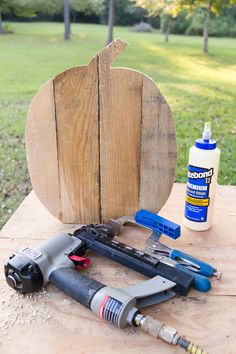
[41,149]
[158,148]
[120,123]
[113,148]
[60,325]
[76,104]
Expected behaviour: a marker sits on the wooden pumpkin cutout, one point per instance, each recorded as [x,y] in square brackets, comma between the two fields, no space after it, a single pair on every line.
[100,142]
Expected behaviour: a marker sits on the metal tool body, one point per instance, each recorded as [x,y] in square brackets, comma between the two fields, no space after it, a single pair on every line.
[181,258]
[29,269]
[201,283]
[53,261]
[120,306]
[67,249]
[100,239]
[198,269]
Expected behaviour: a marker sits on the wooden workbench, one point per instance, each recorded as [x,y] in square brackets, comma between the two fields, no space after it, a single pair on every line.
[51,323]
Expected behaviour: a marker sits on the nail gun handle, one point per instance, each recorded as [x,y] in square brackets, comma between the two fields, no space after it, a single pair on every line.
[200,282]
[73,283]
[201,267]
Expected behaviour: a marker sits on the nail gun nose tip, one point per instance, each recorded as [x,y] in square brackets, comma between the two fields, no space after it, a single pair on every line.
[217,275]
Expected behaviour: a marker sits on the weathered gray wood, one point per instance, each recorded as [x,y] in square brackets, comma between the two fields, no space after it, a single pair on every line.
[158,148]
[107,143]
[41,149]
[76,105]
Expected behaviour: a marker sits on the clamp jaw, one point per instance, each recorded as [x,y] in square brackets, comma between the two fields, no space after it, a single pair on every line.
[158,225]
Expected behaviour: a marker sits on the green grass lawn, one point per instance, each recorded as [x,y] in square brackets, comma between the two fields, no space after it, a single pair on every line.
[198,87]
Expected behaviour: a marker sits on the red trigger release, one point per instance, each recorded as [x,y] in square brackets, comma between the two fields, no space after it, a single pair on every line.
[80,262]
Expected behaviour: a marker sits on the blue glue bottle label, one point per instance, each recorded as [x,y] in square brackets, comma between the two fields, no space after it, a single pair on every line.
[198,188]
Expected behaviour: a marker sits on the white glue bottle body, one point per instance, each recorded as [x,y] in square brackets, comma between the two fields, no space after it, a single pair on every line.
[203,167]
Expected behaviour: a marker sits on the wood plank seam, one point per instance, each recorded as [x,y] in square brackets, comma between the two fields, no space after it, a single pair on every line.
[99,144]
[112,140]
[58,174]
[141,143]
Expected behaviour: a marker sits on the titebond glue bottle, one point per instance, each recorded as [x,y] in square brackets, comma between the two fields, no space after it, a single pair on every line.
[203,167]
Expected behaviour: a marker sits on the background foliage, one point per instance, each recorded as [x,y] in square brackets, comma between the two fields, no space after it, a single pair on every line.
[198,88]
[127,13]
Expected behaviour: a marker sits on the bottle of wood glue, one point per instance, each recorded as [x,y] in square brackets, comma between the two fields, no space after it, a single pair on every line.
[203,166]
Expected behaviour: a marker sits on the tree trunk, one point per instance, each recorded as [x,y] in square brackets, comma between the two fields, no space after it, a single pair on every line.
[75,17]
[67,19]
[1,25]
[167,35]
[110,21]
[206,29]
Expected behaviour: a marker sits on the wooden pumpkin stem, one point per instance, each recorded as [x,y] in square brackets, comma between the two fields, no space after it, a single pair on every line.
[110,52]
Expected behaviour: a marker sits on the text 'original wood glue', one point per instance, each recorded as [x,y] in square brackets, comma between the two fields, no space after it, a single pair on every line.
[203,167]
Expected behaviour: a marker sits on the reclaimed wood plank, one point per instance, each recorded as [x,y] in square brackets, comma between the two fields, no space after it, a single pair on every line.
[42,158]
[88,167]
[158,148]
[120,118]
[76,105]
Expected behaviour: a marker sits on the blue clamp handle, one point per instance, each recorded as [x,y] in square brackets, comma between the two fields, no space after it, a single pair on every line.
[157,223]
[204,268]
[200,282]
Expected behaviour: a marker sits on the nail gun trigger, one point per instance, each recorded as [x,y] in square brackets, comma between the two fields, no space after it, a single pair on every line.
[79,262]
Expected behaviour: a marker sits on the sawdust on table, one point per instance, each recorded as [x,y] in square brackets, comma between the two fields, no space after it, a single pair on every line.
[18,309]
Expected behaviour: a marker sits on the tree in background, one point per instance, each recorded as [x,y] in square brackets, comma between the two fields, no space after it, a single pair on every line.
[165,8]
[167,22]
[2,9]
[31,8]
[54,7]
[83,6]
[23,8]
[210,7]
[66,20]
[111,21]
[87,6]
[48,8]
[172,16]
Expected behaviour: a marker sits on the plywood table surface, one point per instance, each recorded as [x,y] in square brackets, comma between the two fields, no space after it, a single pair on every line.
[51,323]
